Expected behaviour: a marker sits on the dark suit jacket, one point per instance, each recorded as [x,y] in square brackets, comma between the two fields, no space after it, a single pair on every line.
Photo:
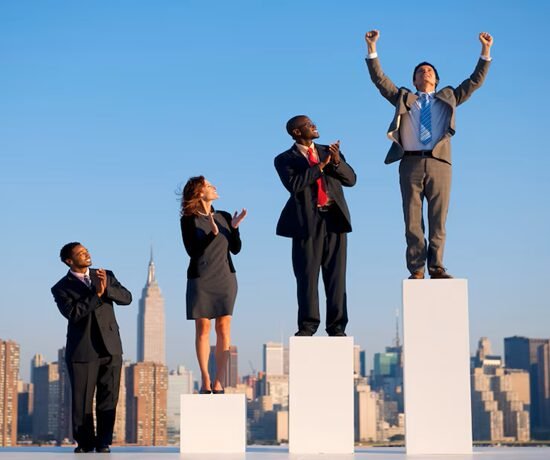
[196,246]
[300,179]
[89,315]
[403,99]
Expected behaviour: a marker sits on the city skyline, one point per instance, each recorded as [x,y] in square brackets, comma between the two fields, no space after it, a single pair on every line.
[502,402]
[122,104]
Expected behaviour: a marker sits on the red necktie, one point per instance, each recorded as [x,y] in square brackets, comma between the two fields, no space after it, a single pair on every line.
[322,198]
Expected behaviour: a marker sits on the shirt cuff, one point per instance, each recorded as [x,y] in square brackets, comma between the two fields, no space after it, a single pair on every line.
[485,58]
[372,55]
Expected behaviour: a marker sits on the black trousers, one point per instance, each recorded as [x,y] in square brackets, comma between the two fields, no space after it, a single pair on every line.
[102,377]
[323,250]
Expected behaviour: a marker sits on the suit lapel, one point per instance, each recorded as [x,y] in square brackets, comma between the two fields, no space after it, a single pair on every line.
[322,151]
[294,150]
[410,100]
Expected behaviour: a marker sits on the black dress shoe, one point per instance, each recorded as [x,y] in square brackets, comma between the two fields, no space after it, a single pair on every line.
[439,273]
[204,391]
[337,334]
[103,450]
[82,450]
[303,333]
[218,392]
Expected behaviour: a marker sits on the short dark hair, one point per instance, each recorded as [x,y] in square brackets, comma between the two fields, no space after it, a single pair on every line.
[293,123]
[67,251]
[427,63]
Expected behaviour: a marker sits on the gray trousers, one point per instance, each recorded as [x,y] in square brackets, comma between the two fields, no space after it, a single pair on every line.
[427,178]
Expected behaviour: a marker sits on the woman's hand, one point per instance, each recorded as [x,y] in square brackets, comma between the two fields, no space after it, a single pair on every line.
[238,218]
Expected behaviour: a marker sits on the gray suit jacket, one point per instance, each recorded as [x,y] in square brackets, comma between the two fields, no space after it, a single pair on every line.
[403,99]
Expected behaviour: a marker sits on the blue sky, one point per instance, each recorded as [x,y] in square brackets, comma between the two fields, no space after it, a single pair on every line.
[107,107]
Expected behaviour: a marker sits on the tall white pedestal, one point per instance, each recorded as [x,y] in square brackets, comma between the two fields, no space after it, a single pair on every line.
[436,349]
[321,395]
[213,424]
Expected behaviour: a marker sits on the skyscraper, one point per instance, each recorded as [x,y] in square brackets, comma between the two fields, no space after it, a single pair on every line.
[151,336]
[523,353]
[179,382]
[543,384]
[500,398]
[273,355]
[119,431]
[9,375]
[45,420]
[65,428]
[146,400]
[25,393]
[231,370]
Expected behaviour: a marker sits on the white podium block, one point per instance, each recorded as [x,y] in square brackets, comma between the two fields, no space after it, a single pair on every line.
[321,395]
[438,418]
[213,424]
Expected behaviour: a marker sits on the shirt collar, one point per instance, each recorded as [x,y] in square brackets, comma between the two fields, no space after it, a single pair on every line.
[303,149]
[81,276]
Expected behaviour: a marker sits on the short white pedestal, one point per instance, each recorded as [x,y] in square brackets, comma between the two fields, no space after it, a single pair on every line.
[213,424]
[438,418]
[321,395]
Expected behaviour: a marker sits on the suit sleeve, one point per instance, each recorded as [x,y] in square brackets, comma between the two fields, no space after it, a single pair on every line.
[386,87]
[194,246]
[235,243]
[75,309]
[294,180]
[344,172]
[467,87]
[116,292]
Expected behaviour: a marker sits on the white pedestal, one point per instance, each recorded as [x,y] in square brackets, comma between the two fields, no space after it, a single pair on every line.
[436,349]
[321,395]
[213,424]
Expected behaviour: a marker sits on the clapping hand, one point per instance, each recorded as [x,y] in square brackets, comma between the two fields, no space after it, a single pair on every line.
[335,153]
[102,277]
[238,218]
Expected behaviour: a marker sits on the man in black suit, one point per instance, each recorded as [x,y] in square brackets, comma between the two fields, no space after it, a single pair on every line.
[317,219]
[94,352]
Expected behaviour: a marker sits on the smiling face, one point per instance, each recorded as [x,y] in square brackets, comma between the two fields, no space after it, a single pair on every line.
[304,129]
[80,259]
[209,192]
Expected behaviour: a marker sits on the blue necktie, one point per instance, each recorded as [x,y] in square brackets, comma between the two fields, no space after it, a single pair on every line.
[425,119]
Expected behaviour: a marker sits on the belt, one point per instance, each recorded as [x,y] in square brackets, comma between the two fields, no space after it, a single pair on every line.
[418,153]
[325,208]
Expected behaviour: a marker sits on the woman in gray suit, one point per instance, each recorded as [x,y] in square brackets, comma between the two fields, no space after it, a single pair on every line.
[209,236]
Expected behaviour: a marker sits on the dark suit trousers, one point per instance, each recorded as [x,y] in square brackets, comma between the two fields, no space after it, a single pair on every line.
[323,250]
[101,376]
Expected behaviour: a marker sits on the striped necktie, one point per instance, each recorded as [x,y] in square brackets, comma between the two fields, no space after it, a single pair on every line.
[425,119]
[87,280]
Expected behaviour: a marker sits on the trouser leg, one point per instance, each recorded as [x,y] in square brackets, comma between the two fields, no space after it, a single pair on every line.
[108,384]
[438,191]
[83,377]
[411,179]
[334,278]
[306,262]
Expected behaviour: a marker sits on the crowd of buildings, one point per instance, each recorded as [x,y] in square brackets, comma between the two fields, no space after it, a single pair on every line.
[510,396]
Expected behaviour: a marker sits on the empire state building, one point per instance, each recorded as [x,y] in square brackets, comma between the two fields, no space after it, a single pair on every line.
[151,342]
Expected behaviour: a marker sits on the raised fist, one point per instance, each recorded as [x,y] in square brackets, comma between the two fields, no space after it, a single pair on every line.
[372,36]
[486,39]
